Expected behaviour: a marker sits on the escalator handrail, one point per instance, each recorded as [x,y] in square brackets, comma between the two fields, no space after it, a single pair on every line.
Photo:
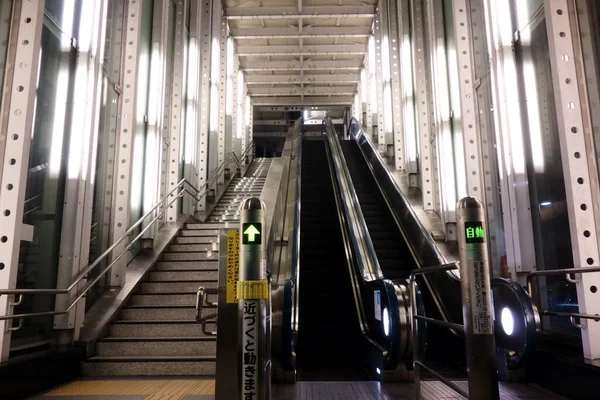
[368,263]
[356,132]
[294,276]
[337,165]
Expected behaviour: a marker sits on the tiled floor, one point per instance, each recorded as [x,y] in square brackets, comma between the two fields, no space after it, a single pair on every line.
[191,389]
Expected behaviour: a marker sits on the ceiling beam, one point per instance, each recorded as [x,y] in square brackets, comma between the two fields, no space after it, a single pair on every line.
[273,122]
[334,79]
[306,65]
[307,101]
[316,50]
[298,91]
[268,109]
[307,33]
[328,12]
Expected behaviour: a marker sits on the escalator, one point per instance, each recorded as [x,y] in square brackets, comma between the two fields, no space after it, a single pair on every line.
[329,337]
[392,251]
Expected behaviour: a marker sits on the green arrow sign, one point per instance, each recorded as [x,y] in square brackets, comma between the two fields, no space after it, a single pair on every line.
[252,233]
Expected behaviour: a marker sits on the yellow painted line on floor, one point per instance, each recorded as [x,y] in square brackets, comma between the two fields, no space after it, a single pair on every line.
[154,389]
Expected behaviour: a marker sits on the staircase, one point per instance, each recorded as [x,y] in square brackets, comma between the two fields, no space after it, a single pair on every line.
[156,333]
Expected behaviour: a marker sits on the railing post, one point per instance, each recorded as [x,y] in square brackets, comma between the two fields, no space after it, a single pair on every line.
[477,300]
[253,294]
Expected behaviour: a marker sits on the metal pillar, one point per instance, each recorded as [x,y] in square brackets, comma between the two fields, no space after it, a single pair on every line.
[389,11]
[253,293]
[121,207]
[575,150]
[381,134]
[204,43]
[222,94]
[422,99]
[16,138]
[175,125]
[476,295]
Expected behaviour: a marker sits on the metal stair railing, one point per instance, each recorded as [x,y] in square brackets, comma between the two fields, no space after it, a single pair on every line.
[158,210]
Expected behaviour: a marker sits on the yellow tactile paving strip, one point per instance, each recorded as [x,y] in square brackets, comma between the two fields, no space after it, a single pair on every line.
[152,389]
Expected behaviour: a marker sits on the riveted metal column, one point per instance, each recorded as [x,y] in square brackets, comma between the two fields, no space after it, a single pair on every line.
[249,125]
[378,33]
[422,100]
[121,208]
[242,120]
[79,189]
[229,96]
[222,88]
[175,124]
[483,88]
[204,42]
[365,79]
[396,86]
[15,137]
[579,177]
[235,116]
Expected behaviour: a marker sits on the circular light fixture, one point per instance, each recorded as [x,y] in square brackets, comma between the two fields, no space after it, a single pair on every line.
[386,322]
[507,320]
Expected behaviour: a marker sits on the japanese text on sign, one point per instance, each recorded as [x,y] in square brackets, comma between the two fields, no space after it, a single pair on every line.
[250,350]
[474,232]
[480,299]
[233,264]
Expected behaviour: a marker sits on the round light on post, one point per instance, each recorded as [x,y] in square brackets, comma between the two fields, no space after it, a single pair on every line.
[386,322]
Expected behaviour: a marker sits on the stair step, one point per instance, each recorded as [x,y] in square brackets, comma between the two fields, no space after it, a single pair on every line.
[150,366]
[195,240]
[194,247]
[198,232]
[168,299]
[157,347]
[188,275]
[186,265]
[141,313]
[197,256]
[203,227]
[158,328]
[177,287]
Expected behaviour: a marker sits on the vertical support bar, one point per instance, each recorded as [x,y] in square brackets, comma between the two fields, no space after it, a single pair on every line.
[421,82]
[378,33]
[175,129]
[236,99]
[477,300]
[578,174]
[20,105]
[250,125]
[400,161]
[222,94]
[204,42]
[253,293]
[121,207]
[468,97]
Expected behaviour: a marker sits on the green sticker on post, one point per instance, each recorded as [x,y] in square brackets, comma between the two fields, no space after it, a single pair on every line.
[252,233]
[474,232]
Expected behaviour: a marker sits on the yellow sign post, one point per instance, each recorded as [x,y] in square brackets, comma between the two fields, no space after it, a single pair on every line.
[233,264]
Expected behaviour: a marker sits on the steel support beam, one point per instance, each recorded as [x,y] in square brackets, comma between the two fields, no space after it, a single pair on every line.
[15,136]
[315,50]
[331,79]
[307,91]
[312,12]
[204,42]
[579,177]
[308,101]
[222,88]
[379,87]
[175,125]
[341,65]
[307,33]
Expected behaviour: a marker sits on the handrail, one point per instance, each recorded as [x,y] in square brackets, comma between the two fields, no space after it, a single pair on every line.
[417,363]
[295,273]
[352,206]
[349,200]
[183,187]
[567,272]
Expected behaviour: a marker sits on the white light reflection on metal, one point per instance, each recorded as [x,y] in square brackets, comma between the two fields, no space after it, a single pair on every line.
[372,76]
[240,105]
[248,110]
[192,103]
[230,72]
